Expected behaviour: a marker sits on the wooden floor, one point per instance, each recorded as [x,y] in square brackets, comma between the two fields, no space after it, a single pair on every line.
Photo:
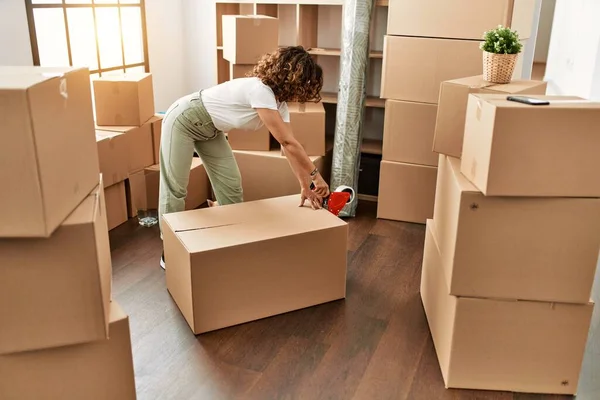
[374,345]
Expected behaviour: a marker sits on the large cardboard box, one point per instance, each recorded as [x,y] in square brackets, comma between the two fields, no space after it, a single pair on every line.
[408,132]
[101,370]
[514,248]
[246,38]
[156,124]
[141,144]
[123,99]
[406,192]
[113,156]
[458,19]
[240,70]
[308,126]
[238,263]
[116,205]
[508,345]
[143,188]
[56,291]
[280,180]
[413,68]
[452,107]
[259,140]
[48,154]
[513,149]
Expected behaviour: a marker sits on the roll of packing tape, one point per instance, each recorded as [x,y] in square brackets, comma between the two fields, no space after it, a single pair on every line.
[346,189]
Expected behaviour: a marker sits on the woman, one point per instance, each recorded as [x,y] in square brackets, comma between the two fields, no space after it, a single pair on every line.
[198,122]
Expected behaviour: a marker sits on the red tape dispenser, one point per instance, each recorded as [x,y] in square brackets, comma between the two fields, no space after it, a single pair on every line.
[337,200]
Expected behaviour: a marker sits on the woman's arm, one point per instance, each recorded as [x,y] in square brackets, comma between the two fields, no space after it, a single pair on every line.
[299,161]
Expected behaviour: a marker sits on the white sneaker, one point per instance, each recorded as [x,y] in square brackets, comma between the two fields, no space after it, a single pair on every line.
[162,260]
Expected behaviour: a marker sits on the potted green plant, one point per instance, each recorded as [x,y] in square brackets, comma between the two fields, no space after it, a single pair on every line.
[501,47]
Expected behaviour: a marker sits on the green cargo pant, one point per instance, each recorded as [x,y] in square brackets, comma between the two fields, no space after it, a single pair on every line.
[186,127]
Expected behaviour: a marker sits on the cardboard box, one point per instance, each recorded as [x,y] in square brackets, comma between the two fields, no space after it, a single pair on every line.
[259,140]
[224,264]
[308,126]
[140,142]
[56,291]
[144,188]
[240,70]
[406,192]
[413,68]
[113,156]
[452,107]
[48,152]
[518,346]
[512,149]
[280,179]
[122,100]
[101,370]
[116,205]
[408,132]
[246,38]
[459,19]
[156,124]
[514,248]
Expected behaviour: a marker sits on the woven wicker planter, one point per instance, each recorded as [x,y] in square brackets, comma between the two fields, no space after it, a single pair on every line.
[498,68]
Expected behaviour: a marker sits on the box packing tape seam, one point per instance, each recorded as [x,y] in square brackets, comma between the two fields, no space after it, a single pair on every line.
[479,106]
[62,88]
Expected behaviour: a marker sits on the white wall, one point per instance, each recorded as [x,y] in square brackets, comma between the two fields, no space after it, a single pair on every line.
[200,56]
[15,47]
[181,46]
[544,30]
[573,66]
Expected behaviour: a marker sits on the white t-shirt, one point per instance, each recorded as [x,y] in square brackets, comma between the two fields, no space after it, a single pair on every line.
[233,104]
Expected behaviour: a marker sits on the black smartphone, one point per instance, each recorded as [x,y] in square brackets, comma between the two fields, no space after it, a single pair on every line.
[528,100]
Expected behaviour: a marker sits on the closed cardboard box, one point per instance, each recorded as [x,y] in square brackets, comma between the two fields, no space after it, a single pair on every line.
[116,205]
[141,144]
[514,248]
[48,154]
[408,132]
[458,19]
[259,140]
[246,38]
[156,124]
[452,107]
[101,370]
[124,99]
[279,180]
[56,291]
[238,263]
[144,188]
[113,155]
[514,149]
[406,192]
[240,70]
[507,345]
[414,68]
[308,126]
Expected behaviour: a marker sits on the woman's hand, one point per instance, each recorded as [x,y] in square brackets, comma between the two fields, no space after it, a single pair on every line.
[315,201]
[321,187]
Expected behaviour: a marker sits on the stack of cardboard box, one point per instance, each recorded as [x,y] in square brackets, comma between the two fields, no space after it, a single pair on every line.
[128,134]
[61,336]
[264,168]
[245,39]
[428,42]
[511,252]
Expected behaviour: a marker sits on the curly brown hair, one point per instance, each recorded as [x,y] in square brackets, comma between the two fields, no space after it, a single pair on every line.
[292,74]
